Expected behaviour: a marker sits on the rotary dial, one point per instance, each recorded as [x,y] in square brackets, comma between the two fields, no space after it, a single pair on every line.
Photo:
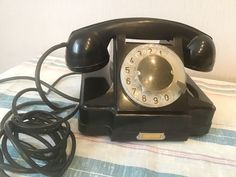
[152,75]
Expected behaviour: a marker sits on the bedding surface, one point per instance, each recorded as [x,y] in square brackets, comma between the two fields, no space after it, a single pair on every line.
[211,155]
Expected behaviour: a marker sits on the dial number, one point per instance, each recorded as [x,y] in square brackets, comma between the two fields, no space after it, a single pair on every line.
[144,98]
[127,69]
[134,90]
[167,97]
[131,60]
[155,100]
[128,81]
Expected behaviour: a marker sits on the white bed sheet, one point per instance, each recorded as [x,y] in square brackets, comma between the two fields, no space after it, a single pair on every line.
[211,155]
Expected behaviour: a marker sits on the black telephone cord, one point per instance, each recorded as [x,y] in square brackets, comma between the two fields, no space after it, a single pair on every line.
[48,128]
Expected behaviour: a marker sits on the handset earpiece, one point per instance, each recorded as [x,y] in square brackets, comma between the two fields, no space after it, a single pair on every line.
[199,54]
[86,53]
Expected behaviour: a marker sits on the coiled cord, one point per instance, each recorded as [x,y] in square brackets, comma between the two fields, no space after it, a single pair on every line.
[50,131]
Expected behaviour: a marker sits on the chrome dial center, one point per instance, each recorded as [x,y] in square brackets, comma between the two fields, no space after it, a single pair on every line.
[155,73]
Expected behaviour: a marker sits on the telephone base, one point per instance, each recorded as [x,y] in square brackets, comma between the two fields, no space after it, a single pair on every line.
[190,116]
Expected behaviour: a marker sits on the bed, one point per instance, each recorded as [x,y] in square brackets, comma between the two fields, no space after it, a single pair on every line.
[211,155]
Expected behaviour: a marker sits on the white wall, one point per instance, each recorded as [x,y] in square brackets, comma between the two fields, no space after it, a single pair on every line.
[29,27]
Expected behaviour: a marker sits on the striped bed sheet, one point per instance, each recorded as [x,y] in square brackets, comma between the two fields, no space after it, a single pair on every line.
[211,155]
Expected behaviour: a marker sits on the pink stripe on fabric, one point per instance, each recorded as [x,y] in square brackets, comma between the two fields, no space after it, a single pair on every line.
[172,153]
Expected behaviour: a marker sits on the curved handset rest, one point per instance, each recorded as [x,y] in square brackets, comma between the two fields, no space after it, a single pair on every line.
[87,47]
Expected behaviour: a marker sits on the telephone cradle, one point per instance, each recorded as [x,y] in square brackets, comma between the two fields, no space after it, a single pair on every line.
[140,91]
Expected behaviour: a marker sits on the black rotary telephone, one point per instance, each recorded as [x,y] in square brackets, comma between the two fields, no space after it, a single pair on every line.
[141,91]
[137,91]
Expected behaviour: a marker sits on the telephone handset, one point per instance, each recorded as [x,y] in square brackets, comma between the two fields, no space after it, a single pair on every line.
[87,49]
[141,91]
